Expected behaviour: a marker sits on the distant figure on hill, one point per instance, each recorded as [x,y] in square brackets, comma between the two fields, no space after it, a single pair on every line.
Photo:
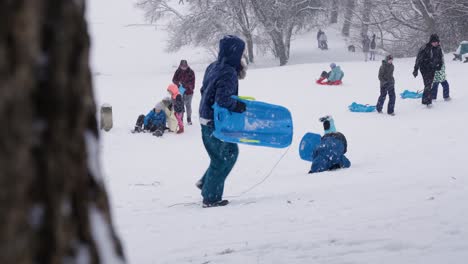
[387,86]
[334,77]
[373,46]
[428,61]
[323,41]
[329,154]
[351,48]
[365,46]
[319,33]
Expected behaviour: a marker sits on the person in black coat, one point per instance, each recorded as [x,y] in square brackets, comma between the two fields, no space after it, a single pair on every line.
[387,85]
[428,61]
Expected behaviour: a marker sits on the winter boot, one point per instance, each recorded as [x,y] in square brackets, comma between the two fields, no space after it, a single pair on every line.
[158,133]
[137,129]
[189,121]
[215,204]
[199,184]
[180,131]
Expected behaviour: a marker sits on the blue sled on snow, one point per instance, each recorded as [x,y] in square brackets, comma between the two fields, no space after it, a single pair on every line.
[307,146]
[261,124]
[355,107]
[410,95]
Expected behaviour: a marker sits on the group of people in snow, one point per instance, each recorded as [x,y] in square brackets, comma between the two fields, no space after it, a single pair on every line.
[168,114]
[221,83]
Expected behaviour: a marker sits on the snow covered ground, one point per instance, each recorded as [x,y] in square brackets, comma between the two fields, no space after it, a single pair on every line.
[402,201]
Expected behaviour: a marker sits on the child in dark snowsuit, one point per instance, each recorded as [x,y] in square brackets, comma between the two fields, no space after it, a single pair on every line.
[178,104]
[154,121]
[387,85]
[329,154]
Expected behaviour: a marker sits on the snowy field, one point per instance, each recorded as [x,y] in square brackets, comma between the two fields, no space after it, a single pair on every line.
[402,201]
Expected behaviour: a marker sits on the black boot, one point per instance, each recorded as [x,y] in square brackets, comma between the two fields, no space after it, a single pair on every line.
[215,204]
[189,121]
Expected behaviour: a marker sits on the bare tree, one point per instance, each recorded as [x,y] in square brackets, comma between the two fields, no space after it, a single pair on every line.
[348,16]
[334,12]
[53,204]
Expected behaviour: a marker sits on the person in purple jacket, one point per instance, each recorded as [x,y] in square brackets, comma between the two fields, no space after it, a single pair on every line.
[185,77]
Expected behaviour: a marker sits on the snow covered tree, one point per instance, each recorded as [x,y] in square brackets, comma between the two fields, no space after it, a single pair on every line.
[348,16]
[53,204]
[281,18]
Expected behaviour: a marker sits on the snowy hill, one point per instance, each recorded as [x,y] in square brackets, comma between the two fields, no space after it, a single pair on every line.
[400,202]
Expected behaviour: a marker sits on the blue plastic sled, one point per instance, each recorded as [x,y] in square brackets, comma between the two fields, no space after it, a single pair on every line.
[355,107]
[410,95]
[181,89]
[262,124]
[308,144]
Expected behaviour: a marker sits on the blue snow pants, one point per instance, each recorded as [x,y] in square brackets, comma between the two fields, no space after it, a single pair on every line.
[435,87]
[223,156]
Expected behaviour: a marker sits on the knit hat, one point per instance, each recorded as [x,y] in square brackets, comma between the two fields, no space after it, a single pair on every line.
[434,38]
[183,63]
[332,65]
[389,57]
[158,106]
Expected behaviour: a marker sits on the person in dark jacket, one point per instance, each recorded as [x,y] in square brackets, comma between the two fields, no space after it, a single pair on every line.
[428,61]
[220,83]
[185,76]
[319,33]
[387,85]
[365,46]
[329,154]
[373,46]
[154,121]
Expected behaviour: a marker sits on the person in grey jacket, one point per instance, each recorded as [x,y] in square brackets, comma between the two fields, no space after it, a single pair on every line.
[387,85]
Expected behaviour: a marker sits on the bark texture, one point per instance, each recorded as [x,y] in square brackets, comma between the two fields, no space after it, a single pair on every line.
[53,204]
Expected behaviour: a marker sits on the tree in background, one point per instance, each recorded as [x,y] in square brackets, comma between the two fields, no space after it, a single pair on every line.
[53,204]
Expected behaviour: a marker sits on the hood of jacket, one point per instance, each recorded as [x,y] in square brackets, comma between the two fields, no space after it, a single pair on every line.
[231,49]
[173,89]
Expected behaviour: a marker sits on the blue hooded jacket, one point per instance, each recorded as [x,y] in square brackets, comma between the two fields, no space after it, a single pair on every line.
[153,118]
[221,77]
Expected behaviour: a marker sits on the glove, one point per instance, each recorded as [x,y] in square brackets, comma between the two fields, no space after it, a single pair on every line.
[240,107]
[415,73]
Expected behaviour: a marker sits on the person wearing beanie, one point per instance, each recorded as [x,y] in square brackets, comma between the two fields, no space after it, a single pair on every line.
[178,106]
[220,83]
[154,121]
[429,60]
[185,77]
[387,85]
[334,77]
[329,154]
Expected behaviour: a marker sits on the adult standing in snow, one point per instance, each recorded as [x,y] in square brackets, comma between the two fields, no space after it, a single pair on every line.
[185,76]
[329,154]
[365,46]
[219,84]
[323,41]
[319,33]
[373,46]
[428,61]
[387,85]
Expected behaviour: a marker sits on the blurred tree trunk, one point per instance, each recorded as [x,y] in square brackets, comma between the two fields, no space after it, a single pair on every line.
[366,11]
[350,5]
[334,12]
[53,205]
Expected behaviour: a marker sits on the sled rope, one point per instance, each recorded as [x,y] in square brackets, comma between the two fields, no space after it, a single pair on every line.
[266,177]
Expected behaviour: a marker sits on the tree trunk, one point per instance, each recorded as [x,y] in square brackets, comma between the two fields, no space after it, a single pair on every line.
[350,4]
[250,47]
[367,7]
[334,12]
[53,204]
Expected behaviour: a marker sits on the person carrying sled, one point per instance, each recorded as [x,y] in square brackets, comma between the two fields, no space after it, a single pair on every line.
[387,86]
[154,121]
[185,76]
[220,83]
[178,106]
[428,61]
[329,153]
[334,77]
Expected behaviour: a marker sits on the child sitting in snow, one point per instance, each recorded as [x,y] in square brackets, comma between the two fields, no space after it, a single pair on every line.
[329,154]
[178,105]
[154,121]
[333,77]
